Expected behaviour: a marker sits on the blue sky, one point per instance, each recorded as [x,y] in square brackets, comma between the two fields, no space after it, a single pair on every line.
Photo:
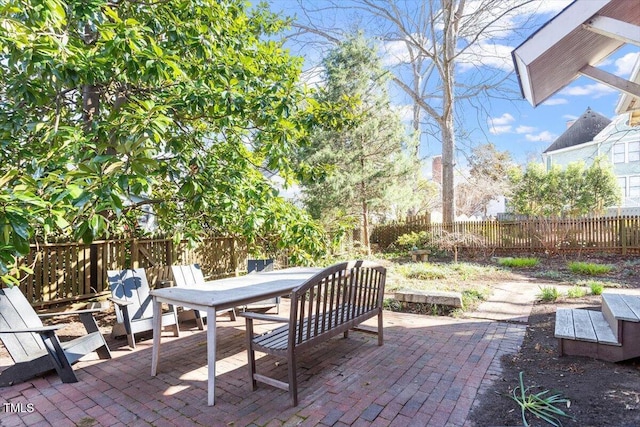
[511,124]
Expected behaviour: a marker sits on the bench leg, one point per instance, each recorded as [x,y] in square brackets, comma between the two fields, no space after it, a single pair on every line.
[380,329]
[293,383]
[251,354]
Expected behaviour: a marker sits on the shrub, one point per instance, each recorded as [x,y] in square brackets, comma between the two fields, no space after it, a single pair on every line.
[596,287]
[413,240]
[576,292]
[589,268]
[519,262]
[548,293]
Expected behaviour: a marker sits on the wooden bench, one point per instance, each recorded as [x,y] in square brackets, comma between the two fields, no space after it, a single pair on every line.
[333,301]
[610,334]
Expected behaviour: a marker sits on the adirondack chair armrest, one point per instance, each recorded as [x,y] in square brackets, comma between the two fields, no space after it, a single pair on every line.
[36,330]
[267,317]
[70,313]
[120,302]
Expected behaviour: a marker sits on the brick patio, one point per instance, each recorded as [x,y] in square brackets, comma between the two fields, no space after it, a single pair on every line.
[428,373]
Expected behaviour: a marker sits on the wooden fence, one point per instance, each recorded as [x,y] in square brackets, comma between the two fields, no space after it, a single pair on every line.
[618,235]
[65,272]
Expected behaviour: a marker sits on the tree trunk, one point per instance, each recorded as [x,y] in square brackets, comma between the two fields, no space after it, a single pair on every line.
[365,226]
[446,121]
[448,189]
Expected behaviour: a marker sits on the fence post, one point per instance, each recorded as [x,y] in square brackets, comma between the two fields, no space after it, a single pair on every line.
[233,256]
[134,254]
[623,234]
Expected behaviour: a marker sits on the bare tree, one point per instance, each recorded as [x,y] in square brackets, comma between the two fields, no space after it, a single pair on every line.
[433,42]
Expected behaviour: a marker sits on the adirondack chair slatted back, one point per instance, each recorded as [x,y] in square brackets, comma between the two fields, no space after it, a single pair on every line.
[187,275]
[337,296]
[131,286]
[17,313]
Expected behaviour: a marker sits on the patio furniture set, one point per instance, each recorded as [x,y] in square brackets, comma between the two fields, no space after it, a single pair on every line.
[323,303]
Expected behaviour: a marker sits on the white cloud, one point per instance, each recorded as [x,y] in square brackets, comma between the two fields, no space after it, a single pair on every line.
[525,129]
[504,119]
[488,54]
[499,130]
[555,101]
[500,125]
[394,53]
[404,111]
[595,90]
[544,136]
[570,117]
[625,64]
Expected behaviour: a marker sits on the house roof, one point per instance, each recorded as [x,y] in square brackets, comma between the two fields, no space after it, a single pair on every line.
[573,43]
[584,129]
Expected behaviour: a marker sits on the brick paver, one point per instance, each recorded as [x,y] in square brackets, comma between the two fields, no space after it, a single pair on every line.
[428,373]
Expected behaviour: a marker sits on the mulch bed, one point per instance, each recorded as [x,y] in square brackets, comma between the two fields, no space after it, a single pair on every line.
[601,393]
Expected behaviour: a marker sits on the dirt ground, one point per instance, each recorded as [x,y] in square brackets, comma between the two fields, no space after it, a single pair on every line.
[601,393]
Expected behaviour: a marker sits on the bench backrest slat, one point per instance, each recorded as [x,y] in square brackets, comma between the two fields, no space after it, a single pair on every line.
[335,298]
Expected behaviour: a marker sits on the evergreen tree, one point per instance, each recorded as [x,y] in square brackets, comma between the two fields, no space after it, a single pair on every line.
[364,156]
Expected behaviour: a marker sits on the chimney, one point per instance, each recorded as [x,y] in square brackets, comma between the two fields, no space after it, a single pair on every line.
[570,122]
[436,169]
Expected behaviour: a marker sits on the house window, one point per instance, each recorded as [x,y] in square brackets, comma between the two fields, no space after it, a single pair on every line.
[634,186]
[618,152]
[634,152]
[622,183]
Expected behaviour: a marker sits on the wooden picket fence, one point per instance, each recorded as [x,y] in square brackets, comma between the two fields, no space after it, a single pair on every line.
[616,235]
[65,272]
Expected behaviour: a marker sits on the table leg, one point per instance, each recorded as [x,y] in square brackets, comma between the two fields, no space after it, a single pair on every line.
[211,353]
[157,330]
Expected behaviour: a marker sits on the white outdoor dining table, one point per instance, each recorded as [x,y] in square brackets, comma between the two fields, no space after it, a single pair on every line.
[219,295]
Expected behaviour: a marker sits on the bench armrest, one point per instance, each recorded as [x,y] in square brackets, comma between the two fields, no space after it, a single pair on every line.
[70,313]
[267,317]
[119,302]
[37,330]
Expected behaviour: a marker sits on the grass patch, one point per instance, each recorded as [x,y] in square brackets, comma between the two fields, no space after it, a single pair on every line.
[589,268]
[519,262]
[548,293]
[423,271]
[596,287]
[576,292]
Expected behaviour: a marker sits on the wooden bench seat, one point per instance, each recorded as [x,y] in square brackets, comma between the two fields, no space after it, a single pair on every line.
[333,301]
[584,325]
[611,334]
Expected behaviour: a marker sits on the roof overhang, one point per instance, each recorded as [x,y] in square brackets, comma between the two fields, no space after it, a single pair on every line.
[628,103]
[572,43]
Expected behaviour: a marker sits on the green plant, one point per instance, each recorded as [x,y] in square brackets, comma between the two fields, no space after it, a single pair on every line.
[576,292]
[548,293]
[413,240]
[596,287]
[472,297]
[589,268]
[519,262]
[539,404]
[423,271]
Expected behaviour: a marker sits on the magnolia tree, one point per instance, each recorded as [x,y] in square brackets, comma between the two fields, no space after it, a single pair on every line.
[179,104]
